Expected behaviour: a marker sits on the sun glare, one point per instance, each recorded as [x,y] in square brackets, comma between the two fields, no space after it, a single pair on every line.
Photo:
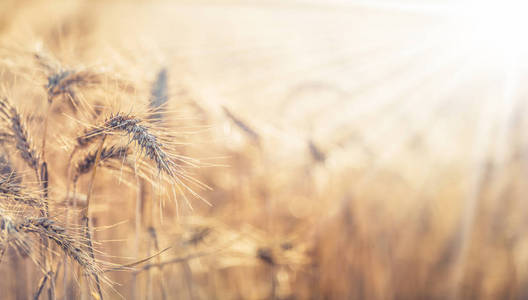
[496,29]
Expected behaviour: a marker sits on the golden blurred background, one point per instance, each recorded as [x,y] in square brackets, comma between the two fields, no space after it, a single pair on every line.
[354,149]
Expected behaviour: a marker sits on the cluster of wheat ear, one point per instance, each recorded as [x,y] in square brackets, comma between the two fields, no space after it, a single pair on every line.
[49,224]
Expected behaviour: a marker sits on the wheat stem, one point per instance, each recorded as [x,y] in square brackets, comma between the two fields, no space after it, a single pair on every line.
[86,213]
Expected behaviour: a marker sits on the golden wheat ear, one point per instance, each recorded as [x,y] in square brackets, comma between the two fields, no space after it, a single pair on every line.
[15,230]
[14,127]
[68,243]
[147,143]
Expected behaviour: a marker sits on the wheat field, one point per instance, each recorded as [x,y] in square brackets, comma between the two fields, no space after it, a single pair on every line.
[224,149]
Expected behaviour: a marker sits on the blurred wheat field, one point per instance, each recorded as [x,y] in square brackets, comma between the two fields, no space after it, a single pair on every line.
[261,150]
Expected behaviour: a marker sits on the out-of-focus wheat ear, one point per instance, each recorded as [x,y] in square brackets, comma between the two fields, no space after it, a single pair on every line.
[317,154]
[22,139]
[158,96]
[63,82]
[49,65]
[250,132]
[86,164]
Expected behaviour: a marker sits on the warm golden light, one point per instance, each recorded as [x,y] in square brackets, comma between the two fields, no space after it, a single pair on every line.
[264,149]
[496,29]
